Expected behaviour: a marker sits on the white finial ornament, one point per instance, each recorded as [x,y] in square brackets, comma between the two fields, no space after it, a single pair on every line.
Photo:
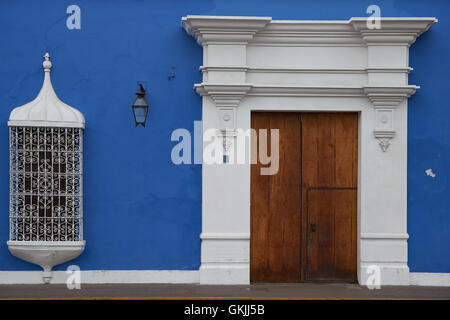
[47,64]
[46,110]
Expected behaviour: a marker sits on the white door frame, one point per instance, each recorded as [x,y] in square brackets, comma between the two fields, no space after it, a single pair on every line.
[256,63]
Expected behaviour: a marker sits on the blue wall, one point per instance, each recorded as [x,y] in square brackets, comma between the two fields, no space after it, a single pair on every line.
[142,211]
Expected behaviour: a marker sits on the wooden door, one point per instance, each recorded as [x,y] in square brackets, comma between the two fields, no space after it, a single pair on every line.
[303,219]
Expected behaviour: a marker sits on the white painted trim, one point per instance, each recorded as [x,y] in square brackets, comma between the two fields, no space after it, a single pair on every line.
[258,64]
[170,277]
[222,236]
[384,236]
[33,123]
[429,279]
[104,276]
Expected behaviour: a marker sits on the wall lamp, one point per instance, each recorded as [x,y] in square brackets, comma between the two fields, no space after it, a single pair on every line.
[140,107]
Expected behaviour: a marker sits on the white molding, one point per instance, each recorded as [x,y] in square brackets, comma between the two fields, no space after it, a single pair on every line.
[308,66]
[104,276]
[288,70]
[265,31]
[389,96]
[232,273]
[391,273]
[223,30]
[174,277]
[225,236]
[393,31]
[304,91]
[231,94]
[389,70]
[384,236]
[59,124]
[224,95]
[429,279]
[225,258]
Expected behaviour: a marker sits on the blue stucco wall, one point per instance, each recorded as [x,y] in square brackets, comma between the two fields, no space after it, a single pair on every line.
[142,211]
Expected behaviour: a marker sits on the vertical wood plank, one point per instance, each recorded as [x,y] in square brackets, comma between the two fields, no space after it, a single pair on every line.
[344,263]
[326,150]
[259,208]
[344,136]
[310,147]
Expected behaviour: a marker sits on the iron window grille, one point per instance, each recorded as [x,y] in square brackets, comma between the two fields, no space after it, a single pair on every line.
[46,202]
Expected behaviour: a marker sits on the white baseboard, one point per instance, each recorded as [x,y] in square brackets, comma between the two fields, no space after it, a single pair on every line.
[429,279]
[104,276]
[225,273]
[391,274]
[209,275]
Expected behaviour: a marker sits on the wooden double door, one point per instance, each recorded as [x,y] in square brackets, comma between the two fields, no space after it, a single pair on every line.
[303,218]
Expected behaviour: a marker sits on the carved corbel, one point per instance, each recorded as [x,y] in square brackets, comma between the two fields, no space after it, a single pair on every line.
[226,97]
[385,100]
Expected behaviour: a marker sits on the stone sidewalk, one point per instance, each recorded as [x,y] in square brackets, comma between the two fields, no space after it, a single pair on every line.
[255,291]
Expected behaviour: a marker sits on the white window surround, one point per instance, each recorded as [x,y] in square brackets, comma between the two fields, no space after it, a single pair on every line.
[256,63]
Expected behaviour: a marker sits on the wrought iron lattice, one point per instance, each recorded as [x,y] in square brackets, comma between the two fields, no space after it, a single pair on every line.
[46,184]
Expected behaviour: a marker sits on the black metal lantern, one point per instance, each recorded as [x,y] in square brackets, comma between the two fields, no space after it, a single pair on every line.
[140,107]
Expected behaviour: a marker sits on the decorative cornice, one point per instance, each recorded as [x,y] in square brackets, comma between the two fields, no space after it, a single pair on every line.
[305,70]
[306,91]
[224,95]
[231,92]
[379,95]
[265,31]
[305,32]
[217,29]
[393,31]
[388,96]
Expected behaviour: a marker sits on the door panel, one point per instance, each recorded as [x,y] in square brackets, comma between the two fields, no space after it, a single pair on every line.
[329,181]
[275,205]
[330,250]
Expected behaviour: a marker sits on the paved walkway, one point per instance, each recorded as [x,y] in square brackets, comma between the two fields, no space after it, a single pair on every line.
[258,291]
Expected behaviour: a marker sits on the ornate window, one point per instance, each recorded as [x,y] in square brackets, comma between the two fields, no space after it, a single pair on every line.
[46,194]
